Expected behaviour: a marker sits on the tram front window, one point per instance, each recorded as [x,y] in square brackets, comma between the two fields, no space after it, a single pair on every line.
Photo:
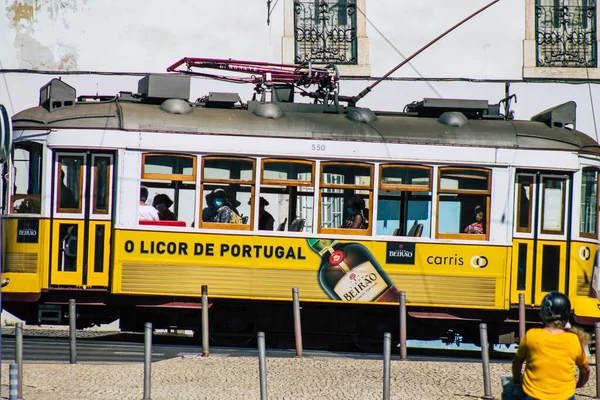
[27,183]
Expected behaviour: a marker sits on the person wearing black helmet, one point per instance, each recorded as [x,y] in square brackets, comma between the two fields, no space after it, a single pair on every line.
[551,354]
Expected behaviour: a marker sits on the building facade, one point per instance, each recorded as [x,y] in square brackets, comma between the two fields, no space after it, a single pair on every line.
[545,49]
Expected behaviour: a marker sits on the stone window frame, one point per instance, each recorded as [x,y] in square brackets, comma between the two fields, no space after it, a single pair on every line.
[362,68]
[530,68]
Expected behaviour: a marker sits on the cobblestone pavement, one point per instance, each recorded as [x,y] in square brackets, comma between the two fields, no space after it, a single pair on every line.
[233,378]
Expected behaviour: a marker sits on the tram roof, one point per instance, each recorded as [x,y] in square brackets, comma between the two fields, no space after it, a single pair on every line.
[297,123]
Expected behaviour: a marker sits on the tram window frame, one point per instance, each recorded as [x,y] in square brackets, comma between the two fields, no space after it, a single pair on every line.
[406,193]
[208,185]
[172,185]
[472,197]
[58,183]
[30,202]
[345,192]
[544,194]
[520,189]
[106,184]
[283,187]
[172,176]
[589,209]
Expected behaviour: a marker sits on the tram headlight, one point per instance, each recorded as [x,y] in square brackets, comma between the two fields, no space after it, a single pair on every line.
[5,282]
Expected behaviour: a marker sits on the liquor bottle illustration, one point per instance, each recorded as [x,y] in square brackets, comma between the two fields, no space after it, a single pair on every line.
[349,272]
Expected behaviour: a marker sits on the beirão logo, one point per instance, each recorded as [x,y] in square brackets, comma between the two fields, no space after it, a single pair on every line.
[479,261]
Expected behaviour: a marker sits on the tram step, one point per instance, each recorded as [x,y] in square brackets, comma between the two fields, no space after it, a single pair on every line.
[49,314]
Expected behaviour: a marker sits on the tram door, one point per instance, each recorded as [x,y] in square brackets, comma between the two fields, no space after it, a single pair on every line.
[541,235]
[81,223]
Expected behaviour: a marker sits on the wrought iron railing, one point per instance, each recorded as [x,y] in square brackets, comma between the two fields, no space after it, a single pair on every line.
[325,31]
[566,35]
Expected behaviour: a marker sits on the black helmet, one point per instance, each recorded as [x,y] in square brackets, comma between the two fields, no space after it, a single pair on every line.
[555,307]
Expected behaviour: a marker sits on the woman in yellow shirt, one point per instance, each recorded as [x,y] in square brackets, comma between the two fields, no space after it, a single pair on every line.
[551,354]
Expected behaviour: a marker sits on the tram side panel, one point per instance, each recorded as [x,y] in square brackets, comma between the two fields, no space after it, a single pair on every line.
[233,266]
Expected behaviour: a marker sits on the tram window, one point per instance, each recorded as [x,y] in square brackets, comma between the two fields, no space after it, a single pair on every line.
[339,183]
[169,166]
[27,182]
[172,179]
[463,202]
[102,166]
[69,183]
[287,186]
[227,181]
[404,200]
[553,200]
[525,184]
[589,203]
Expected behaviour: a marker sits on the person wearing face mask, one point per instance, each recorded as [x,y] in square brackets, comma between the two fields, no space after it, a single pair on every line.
[355,219]
[162,202]
[218,208]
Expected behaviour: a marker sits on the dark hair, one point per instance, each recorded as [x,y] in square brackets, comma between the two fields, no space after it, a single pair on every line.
[162,198]
[478,209]
[356,202]
[143,193]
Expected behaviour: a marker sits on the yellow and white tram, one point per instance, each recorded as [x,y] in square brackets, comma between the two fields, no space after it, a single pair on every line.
[72,227]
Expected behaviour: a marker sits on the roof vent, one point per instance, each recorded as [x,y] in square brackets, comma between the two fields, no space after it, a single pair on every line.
[361,115]
[56,95]
[453,118]
[433,108]
[176,106]
[561,116]
[155,88]
[222,100]
[268,110]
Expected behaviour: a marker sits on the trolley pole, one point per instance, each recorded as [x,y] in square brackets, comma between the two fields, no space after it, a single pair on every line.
[485,359]
[204,321]
[72,332]
[297,322]
[521,316]
[403,324]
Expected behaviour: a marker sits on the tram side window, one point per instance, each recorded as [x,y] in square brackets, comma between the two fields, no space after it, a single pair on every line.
[27,178]
[589,203]
[171,183]
[404,200]
[69,183]
[227,190]
[286,193]
[346,190]
[463,203]
[525,185]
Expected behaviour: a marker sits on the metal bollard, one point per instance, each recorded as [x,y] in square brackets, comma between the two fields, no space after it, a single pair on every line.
[521,316]
[597,345]
[13,381]
[403,325]
[147,359]
[387,350]
[297,322]
[485,359]
[72,332]
[19,357]
[262,366]
[204,321]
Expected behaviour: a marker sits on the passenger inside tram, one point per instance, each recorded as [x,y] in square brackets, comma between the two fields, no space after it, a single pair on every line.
[477,226]
[146,211]
[355,209]
[162,202]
